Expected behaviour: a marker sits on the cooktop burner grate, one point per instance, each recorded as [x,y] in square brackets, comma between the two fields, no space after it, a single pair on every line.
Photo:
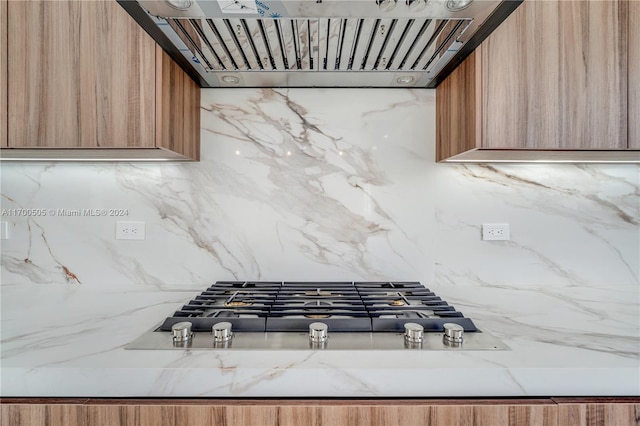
[292,306]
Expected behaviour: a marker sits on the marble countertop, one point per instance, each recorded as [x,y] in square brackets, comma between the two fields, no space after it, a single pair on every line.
[69,341]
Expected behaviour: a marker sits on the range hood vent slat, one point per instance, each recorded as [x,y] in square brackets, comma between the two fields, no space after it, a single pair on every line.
[235,35]
[354,44]
[191,39]
[368,29]
[314,53]
[385,50]
[333,43]
[295,36]
[371,41]
[254,38]
[323,42]
[271,34]
[426,36]
[378,38]
[281,43]
[219,57]
[401,42]
[268,53]
[218,41]
[341,54]
[329,41]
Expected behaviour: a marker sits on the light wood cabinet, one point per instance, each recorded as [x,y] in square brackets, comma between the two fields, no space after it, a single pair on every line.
[3,73]
[177,108]
[84,77]
[551,79]
[329,412]
[634,74]
[577,412]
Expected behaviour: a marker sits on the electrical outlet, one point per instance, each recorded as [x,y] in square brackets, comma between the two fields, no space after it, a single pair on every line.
[4,230]
[130,230]
[495,231]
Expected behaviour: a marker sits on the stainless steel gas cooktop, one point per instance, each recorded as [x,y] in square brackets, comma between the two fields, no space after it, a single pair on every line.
[317,315]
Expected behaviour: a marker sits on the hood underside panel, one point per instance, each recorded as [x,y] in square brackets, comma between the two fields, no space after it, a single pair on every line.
[383,50]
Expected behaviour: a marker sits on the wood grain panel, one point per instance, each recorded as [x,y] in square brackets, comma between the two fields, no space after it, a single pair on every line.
[21,414]
[458,110]
[599,414]
[177,110]
[498,414]
[42,414]
[81,74]
[554,77]
[3,74]
[281,412]
[634,74]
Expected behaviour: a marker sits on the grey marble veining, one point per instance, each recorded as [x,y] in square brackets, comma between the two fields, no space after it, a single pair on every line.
[304,184]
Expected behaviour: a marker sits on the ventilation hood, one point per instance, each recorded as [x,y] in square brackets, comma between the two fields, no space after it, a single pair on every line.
[319,43]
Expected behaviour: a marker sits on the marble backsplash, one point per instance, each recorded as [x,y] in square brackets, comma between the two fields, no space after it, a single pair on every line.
[334,184]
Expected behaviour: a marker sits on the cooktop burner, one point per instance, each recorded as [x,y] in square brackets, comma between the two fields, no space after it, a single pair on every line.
[293,306]
[315,315]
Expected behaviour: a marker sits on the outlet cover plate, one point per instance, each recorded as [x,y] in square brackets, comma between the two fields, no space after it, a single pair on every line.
[130,230]
[496,232]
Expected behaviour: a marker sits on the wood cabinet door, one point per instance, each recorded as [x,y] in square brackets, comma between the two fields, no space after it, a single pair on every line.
[177,108]
[81,75]
[3,73]
[634,74]
[554,76]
